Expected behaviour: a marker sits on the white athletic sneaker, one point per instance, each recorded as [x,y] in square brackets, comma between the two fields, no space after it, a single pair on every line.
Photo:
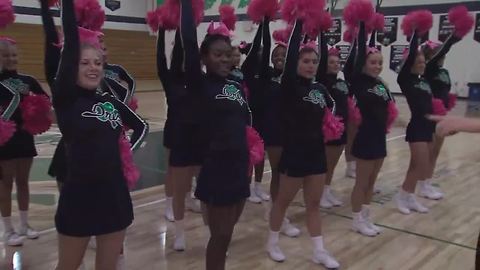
[366,216]
[361,226]
[261,193]
[275,253]
[12,239]
[253,196]
[288,229]
[324,202]
[323,257]
[179,243]
[193,205]
[401,200]
[428,191]
[169,211]
[334,200]
[414,205]
[437,189]
[28,232]
[121,262]
[351,170]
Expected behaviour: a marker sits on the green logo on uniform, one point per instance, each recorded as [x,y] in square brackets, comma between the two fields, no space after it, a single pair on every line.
[16,85]
[231,92]
[380,90]
[105,112]
[316,97]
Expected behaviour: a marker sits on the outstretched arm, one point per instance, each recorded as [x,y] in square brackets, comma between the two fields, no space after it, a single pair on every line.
[349,66]
[323,65]
[52,51]
[291,61]
[361,50]
[410,60]
[249,66]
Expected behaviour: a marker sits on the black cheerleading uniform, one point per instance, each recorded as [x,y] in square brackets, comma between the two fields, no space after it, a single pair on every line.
[337,89]
[223,179]
[181,127]
[372,100]
[271,94]
[14,87]
[303,107]
[94,199]
[419,98]
[439,77]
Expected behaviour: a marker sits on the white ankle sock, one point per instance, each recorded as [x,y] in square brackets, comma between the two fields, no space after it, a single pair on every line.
[7,224]
[179,226]
[169,200]
[273,238]
[357,215]
[258,185]
[404,193]
[23,218]
[318,242]
[327,188]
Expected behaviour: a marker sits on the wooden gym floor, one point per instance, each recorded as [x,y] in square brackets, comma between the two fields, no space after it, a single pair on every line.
[443,239]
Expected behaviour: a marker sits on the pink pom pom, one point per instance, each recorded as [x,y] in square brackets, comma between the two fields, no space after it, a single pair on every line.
[354,114]
[7,15]
[90,14]
[325,21]
[282,35]
[257,9]
[7,129]
[153,19]
[133,104]
[255,147]
[36,114]
[462,20]
[227,16]
[420,20]
[198,10]
[130,171]
[392,115]
[377,23]
[438,108]
[52,3]
[333,126]
[452,101]
[90,37]
[304,10]
[169,15]
[358,11]
[349,35]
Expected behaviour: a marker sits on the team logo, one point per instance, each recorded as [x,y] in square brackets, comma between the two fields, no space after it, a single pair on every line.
[443,77]
[316,97]
[109,74]
[105,112]
[380,90]
[16,85]
[422,85]
[342,87]
[232,93]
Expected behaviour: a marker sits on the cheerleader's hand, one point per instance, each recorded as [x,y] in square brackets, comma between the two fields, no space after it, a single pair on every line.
[447,125]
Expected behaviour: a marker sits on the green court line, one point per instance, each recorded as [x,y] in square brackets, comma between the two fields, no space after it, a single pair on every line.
[407,232]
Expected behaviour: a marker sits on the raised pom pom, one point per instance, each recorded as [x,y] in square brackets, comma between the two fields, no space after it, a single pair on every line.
[438,108]
[358,11]
[153,19]
[89,37]
[198,10]
[282,36]
[304,10]
[354,114]
[349,35]
[392,112]
[169,15]
[420,20]
[36,114]
[52,3]
[90,14]
[7,129]
[255,147]
[7,15]
[377,23]
[333,126]
[325,21]
[462,20]
[227,16]
[130,171]
[452,101]
[258,9]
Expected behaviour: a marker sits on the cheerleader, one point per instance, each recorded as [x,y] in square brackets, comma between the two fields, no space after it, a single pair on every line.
[303,161]
[223,184]
[97,161]
[185,151]
[369,146]
[17,92]
[270,100]
[338,89]
[419,130]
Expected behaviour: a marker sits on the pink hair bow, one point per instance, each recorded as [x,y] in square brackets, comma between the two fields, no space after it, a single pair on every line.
[334,51]
[281,43]
[9,40]
[432,44]
[371,50]
[310,45]
[221,29]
